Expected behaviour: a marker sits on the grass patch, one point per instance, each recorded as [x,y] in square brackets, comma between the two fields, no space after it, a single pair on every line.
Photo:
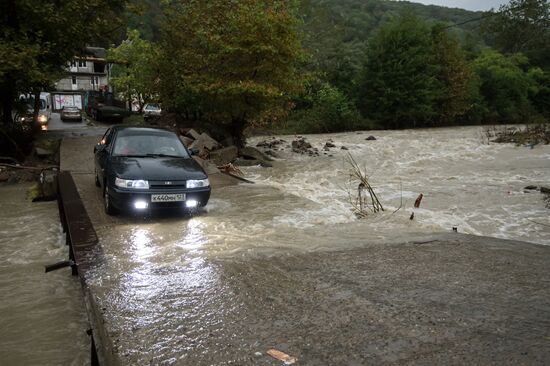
[48,144]
[34,191]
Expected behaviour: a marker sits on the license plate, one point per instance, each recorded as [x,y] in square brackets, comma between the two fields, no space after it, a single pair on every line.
[168,197]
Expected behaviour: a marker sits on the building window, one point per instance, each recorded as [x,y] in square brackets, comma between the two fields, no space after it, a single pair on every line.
[74,80]
[95,80]
[73,63]
[99,67]
[82,63]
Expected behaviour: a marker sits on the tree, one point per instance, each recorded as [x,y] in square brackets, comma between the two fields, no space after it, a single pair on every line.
[230,62]
[135,73]
[38,38]
[522,26]
[505,85]
[454,76]
[324,109]
[540,93]
[399,84]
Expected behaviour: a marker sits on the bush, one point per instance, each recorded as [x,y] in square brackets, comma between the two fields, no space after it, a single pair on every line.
[15,141]
[325,109]
[505,85]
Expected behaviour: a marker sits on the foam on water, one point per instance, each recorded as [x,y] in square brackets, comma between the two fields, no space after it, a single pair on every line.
[466,183]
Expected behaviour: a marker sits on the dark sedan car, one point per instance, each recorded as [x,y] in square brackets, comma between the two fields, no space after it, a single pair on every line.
[148,168]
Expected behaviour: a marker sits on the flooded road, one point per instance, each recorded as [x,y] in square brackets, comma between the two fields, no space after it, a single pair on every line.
[284,263]
[43,320]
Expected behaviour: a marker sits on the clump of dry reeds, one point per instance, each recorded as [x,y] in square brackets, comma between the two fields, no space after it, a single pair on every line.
[361,195]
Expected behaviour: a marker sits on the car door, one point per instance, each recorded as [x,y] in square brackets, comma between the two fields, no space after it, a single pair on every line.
[102,152]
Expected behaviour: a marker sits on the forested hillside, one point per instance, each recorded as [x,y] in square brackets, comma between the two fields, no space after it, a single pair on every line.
[387,64]
[336,32]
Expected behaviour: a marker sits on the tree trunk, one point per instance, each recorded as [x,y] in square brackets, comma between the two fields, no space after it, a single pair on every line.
[141,103]
[237,131]
[7,89]
[6,93]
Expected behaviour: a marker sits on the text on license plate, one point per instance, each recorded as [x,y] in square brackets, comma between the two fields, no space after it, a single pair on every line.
[168,197]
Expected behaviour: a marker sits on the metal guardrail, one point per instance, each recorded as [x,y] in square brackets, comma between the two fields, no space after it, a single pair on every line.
[82,241]
[80,233]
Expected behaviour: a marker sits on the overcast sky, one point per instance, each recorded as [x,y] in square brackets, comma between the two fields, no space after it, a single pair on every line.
[465,4]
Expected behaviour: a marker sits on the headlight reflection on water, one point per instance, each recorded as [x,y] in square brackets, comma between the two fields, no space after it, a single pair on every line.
[193,236]
[141,245]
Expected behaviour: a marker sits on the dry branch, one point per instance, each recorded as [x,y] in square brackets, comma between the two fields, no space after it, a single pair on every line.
[364,200]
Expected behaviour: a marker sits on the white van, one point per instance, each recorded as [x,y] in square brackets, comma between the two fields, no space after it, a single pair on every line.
[45,111]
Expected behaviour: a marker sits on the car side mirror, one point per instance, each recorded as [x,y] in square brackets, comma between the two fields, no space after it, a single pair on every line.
[194,151]
[99,147]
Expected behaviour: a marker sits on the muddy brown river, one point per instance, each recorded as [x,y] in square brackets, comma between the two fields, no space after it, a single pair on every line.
[42,321]
[284,263]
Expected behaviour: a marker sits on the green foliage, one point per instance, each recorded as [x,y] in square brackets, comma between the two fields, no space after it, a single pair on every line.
[337,33]
[146,16]
[135,74]
[506,84]
[134,119]
[325,109]
[38,38]
[539,94]
[232,63]
[399,87]
[522,26]
[454,76]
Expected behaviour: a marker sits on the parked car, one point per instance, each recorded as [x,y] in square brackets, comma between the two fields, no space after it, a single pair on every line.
[71,114]
[151,110]
[102,106]
[141,168]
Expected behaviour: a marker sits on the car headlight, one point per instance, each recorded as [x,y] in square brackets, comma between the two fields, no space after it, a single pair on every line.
[42,118]
[197,183]
[128,183]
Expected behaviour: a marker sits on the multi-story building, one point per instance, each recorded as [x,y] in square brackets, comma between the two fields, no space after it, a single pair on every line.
[89,72]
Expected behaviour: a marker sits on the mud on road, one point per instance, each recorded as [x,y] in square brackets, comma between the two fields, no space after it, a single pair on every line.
[181,290]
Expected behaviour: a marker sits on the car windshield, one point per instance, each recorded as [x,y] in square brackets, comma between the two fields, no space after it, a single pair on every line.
[154,107]
[70,109]
[148,143]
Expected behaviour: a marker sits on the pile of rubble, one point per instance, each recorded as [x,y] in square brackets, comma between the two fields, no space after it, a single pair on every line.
[300,146]
[214,157]
[330,144]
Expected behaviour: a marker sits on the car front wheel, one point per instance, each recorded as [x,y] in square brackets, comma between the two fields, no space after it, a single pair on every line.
[97,183]
[109,209]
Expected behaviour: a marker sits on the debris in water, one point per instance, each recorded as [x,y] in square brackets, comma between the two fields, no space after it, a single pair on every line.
[230,168]
[288,360]
[418,200]
[365,200]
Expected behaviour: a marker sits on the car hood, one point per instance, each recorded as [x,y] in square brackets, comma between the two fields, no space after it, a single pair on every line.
[156,168]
